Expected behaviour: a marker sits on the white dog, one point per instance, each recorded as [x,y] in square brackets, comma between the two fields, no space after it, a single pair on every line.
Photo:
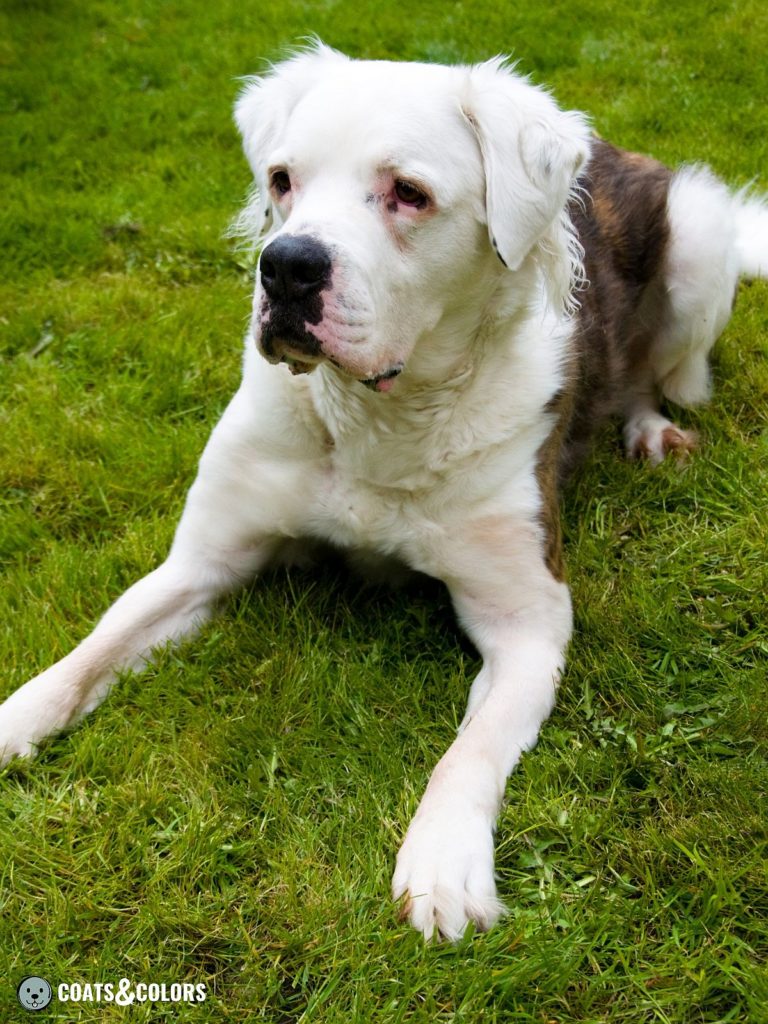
[460,280]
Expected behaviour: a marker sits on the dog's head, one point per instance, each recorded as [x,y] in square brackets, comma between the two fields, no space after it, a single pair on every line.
[387,193]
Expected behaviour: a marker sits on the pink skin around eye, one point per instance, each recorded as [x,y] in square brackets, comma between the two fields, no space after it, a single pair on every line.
[385,192]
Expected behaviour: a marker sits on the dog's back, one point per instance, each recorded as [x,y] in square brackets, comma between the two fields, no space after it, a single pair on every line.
[663,253]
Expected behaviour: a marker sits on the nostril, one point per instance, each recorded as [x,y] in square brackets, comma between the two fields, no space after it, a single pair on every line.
[268,270]
[294,266]
[310,271]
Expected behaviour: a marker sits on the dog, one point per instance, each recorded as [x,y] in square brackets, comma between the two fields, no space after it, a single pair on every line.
[458,282]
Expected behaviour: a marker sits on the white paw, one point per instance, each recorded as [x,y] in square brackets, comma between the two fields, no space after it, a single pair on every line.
[653,437]
[39,708]
[13,742]
[444,873]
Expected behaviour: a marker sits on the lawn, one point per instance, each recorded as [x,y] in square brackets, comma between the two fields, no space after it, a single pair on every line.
[231,817]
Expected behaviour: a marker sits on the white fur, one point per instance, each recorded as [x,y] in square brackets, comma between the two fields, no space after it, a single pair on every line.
[702,270]
[751,216]
[716,237]
[441,470]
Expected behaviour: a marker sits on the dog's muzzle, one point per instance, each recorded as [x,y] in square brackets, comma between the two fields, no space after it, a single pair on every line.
[294,270]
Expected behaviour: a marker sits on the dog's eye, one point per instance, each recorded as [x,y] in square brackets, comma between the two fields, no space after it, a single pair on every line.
[280,182]
[409,194]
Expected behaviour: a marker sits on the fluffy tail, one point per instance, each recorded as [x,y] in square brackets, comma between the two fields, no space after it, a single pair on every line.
[751,215]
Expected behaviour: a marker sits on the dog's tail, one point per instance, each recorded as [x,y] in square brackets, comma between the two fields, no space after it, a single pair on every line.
[751,216]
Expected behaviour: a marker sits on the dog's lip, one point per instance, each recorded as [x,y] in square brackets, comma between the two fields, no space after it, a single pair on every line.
[377,382]
[302,363]
[297,366]
[383,381]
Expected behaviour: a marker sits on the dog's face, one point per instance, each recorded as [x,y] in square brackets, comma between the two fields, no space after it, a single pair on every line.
[386,193]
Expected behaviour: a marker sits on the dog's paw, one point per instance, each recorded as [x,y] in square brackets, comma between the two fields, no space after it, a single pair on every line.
[653,437]
[444,874]
[16,738]
[36,710]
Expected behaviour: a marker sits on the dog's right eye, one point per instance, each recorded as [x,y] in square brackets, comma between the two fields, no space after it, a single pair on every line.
[280,182]
[409,194]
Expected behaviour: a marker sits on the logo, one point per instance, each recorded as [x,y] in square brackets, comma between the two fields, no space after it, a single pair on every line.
[34,993]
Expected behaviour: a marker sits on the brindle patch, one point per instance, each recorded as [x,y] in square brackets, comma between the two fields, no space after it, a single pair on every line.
[622,225]
[548,478]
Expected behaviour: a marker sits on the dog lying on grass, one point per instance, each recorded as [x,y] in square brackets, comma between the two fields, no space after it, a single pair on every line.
[457,283]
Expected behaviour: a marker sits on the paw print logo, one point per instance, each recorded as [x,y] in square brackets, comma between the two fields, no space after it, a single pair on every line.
[34,993]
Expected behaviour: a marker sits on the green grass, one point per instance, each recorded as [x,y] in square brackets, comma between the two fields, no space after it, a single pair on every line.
[231,817]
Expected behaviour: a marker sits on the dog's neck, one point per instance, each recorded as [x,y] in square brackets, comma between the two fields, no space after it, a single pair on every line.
[507,358]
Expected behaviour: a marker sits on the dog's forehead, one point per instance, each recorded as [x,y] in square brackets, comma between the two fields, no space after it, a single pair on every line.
[379,109]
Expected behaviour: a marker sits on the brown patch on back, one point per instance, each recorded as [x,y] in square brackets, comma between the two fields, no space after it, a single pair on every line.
[622,225]
[548,477]
[606,215]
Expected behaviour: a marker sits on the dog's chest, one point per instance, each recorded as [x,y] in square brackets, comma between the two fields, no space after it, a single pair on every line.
[379,447]
[368,503]
[396,477]
[394,501]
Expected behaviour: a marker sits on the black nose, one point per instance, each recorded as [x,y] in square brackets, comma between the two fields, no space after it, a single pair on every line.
[294,266]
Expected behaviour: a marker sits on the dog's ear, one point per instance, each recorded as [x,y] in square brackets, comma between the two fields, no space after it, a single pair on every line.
[531,151]
[261,112]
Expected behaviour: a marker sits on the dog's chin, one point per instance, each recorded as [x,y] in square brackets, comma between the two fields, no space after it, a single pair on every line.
[301,363]
[297,366]
[381,382]
[384,382]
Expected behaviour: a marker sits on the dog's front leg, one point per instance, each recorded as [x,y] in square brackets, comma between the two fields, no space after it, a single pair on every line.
[237,513]
[519,617]
[168,604]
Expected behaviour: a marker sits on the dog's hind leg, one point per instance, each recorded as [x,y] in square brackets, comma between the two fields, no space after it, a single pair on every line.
[227,532]
[700,274]
[648,433]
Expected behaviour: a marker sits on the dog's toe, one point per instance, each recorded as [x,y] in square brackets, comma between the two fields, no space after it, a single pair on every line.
[444,877]
[653,437]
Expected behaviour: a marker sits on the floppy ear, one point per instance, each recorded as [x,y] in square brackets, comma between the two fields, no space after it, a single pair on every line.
[258,116]
[531,151]
[261,112]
